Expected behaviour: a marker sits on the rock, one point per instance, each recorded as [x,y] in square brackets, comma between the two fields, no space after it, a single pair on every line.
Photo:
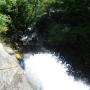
[11,75]
[9,50]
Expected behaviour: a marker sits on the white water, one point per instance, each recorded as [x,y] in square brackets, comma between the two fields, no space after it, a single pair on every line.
[45,73]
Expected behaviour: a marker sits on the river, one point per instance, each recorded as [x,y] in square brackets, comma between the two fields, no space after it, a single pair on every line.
[45,71]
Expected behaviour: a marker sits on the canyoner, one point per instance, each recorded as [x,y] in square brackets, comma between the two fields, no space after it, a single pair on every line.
[20,60]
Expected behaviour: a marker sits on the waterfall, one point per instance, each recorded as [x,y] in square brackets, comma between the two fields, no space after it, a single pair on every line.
[44,71]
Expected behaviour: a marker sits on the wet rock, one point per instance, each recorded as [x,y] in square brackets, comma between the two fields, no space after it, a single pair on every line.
[9,50]
[11,75]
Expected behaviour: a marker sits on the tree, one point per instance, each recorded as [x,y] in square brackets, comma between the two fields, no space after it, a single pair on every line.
[4,19]
[3,23]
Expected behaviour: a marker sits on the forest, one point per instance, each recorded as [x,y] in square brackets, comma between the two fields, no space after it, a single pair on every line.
[61,25]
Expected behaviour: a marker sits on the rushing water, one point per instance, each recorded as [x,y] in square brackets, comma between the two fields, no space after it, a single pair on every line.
[45,71]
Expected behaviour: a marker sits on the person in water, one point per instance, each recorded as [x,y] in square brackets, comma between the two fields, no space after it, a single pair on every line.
[20,60]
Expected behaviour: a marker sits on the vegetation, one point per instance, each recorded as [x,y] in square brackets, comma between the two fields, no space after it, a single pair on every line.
[22,14]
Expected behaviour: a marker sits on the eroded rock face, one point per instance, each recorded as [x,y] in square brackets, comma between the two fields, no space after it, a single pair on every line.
[11,75]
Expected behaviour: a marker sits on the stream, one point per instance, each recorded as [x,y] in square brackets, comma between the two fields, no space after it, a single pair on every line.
[45,71]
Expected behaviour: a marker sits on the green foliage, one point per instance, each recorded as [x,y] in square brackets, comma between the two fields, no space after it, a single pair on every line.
[23,14]
[3,23]
[69,18]
[28,11]
[5,5]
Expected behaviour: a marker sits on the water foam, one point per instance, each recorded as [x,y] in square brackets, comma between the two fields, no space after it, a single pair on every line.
[45,73]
